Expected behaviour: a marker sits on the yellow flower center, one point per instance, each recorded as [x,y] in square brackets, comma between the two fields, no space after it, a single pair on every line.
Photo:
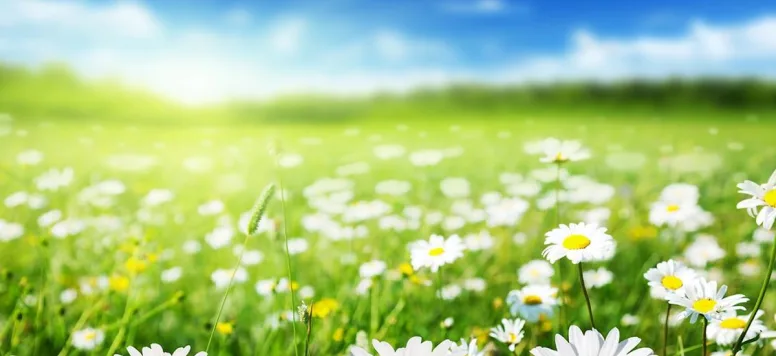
[90,336]
[671,282]
[704,305]
[576,242]
[560,158]
[733,323]
[436,251]
[672,208]
[770,198]
[512,338]
[532,300]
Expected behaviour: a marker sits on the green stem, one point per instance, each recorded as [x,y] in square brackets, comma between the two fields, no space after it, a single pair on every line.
[587,297]
[288,258]
[309,330]
[759,302]
[373,313]
[124,321]
[705,344]
[78,325]
[665,331]
[226,293]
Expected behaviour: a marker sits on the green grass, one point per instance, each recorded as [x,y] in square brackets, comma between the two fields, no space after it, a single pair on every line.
[242,167]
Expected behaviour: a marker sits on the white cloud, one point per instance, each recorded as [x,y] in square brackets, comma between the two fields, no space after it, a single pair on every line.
[238,17]
[123,18]
[482,7]
[392,45]
[287,35]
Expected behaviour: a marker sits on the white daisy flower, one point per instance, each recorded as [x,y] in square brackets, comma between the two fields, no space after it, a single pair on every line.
[509,332]
[630,320]
[474,284]
[221,277]
[578,242]
[535,272]
[762,235]
[593,343]
[372,269]
[597,278]
[670,277]
[703,298]
[388,151]
[533,301]
[436,252]
[171,275]
[703,250]
[68,296]
[450,292]
[10,231]
[87,339]
[467,348]
[425,158]
[156,350]
[726,331]
[454,187]
[557,151]
[54,179]
[415,346]
[393,187]
[29,157]
[762,204]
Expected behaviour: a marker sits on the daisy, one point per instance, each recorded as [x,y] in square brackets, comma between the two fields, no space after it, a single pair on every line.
[415,346]
[467,348]
[372,269]
[455,187]
[727,330]
[425,158]
[703,298]
[393,187]
[593,343]
[598,278]
[670,277]
[436,252]
[557,151]
[221,277]
[156,350]
[703,250]
[577,242]
[87,339]
[535,272]
[10,231]
[762,204]
[509,332]
[533,301]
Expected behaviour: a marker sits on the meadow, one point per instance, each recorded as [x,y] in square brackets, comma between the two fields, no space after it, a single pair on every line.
[133,238]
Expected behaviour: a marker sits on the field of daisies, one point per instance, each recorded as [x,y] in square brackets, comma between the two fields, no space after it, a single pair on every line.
[505,237]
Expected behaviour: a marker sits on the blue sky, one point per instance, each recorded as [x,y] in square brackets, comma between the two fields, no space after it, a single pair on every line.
[210,50]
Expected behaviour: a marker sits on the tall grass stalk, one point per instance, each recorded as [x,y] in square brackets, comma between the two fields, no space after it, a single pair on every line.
[763,290]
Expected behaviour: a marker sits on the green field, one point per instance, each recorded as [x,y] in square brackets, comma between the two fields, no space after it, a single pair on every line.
[636,155]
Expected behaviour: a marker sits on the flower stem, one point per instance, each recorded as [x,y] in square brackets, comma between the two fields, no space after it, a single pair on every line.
[759,302]
[288,257]
[587,297]
[665,330]
[705,346]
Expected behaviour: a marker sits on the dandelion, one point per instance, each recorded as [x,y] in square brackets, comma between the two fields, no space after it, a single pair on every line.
[509,332]
[532,302]
[593,343]
[224,328]
[436,252]
[762,202]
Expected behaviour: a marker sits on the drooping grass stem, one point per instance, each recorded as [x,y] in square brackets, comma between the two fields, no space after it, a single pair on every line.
[587,297]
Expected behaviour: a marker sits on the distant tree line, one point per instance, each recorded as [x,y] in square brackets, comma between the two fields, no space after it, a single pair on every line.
[56,92]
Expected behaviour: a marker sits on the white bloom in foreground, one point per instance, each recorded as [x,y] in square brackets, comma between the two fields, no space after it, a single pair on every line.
[557,151]
[415,347]
[703,298]
[670,276]
[593,343]
[88,338]
[762,204]
[156,350]
[436,252]
[467,349]
[727,330]
[578,242]
[535,272]
[531,302]
[509,332]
